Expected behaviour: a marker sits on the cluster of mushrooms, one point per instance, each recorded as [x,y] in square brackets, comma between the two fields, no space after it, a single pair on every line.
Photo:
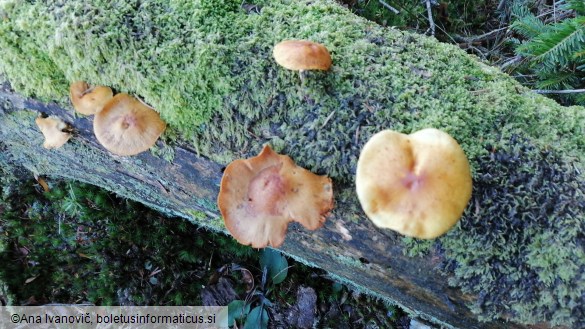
[417,184]
[123,124]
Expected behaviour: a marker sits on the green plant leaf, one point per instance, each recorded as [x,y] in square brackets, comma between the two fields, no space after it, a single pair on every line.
[237,309]
[276,264]
[257,319]
[336,287]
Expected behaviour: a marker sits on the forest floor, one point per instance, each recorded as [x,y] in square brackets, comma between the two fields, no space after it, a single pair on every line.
[67,242]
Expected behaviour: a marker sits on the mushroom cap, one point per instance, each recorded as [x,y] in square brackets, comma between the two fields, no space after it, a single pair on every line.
[302,55]
[126,126]
[417,184]
[52,128]
[259,196]
[88,100]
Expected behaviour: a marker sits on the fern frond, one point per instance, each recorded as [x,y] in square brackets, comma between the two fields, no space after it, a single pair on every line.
[529,26]
[557,45]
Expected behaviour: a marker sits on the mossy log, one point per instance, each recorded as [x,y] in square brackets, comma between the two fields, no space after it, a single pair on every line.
[206,66]
[355,252]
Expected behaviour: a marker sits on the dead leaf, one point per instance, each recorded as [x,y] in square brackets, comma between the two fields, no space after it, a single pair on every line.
[218,274]
[29,280]
[343,231]
[248,279]
[43,184]
[31,301]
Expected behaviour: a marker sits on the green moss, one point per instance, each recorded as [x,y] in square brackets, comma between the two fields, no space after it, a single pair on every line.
[210,219]
[207,67]
[82,243]
[411,312]
[347,260]
[416,247]
[165,152]
[522,253]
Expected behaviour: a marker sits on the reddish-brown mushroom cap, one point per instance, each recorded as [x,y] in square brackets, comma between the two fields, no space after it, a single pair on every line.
[259,196]
[126,126]
[88,100]
[417,184]
[302,55]
[52,129]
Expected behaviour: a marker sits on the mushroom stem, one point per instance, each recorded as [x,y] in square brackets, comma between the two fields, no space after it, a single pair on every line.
[302,75]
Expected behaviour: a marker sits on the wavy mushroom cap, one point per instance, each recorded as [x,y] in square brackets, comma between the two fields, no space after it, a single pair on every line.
[259,196]
[126,126]
[417,184]
[52,128]
[301,55]
[88,100]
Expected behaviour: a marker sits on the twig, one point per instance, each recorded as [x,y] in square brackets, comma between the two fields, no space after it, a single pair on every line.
[486,36]
[392,9]
[495,33]
[511,61]
[501,5]
[328,118]
[430,17]
[570,91]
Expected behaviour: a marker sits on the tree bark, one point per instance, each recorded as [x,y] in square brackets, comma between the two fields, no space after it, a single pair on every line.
[355,252]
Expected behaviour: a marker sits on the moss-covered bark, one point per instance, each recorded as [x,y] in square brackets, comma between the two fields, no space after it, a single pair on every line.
[207,67]
[187,187]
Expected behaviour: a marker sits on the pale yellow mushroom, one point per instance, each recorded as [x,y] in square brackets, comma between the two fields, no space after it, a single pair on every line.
[52,128]
[417,184]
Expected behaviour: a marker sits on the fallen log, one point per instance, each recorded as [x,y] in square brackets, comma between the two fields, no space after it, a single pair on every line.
[356,253]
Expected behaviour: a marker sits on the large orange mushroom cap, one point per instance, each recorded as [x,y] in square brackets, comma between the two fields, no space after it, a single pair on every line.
[261,195]
[299,55]
[88,100]
[417,184]
[126,126]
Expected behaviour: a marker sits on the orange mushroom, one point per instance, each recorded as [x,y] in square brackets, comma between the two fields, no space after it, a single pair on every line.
[259,196]
[52,128]
[417,184]
[88,100]
[126,126]
[300,55]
